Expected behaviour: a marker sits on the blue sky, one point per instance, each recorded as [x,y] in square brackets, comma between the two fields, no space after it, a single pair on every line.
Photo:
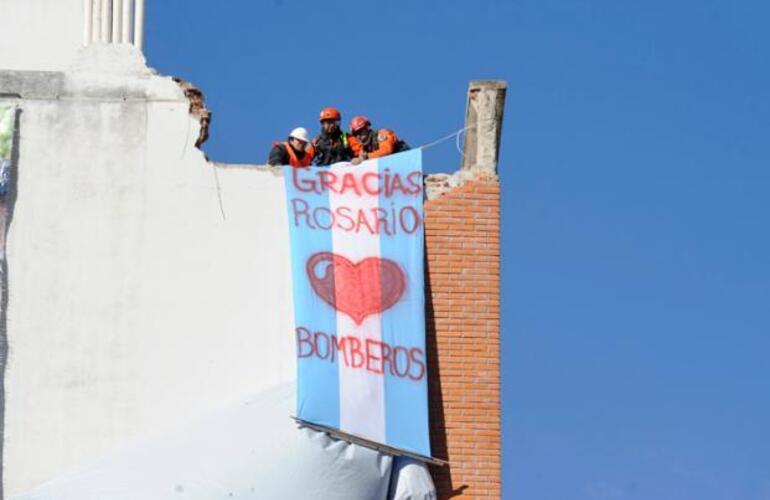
[636,241]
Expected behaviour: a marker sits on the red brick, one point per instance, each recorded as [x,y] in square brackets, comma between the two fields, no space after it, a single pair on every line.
[462,230]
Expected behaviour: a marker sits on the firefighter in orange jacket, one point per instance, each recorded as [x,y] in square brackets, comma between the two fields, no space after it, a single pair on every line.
[367,144]
[294,151]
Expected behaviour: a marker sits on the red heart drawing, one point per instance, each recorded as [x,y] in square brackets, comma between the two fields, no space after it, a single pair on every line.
[359,290]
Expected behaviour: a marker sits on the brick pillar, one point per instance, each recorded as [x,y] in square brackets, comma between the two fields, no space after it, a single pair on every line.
[463,279]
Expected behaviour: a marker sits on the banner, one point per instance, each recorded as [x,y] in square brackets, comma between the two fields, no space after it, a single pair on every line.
[359,300]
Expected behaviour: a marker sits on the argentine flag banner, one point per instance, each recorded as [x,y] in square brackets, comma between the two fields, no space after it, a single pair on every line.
[357,245]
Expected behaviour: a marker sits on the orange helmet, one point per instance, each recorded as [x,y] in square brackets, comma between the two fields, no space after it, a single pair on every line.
[330,114]
[359,122]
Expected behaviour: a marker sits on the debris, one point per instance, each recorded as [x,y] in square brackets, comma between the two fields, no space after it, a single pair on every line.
[197,109]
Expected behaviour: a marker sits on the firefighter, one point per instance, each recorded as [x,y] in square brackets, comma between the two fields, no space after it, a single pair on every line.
[294,151]
[366,144]
[332,145]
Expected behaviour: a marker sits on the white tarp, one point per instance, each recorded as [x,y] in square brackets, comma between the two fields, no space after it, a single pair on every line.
[411,481]
[251,451]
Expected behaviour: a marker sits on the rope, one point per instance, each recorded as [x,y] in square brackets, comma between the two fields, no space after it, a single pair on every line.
[457,145]
[456,134]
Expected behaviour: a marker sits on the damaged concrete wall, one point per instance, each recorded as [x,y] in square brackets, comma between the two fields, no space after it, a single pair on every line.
[133,305]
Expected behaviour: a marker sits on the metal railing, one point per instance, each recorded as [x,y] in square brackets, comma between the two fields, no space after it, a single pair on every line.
[113,21]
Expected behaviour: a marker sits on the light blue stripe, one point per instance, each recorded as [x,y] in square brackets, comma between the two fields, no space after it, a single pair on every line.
[406,400]
[318,397]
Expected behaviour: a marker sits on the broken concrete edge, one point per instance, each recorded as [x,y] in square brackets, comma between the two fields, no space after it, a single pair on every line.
[198,108]
[96,61]
[438,185]
[487,84]
[53,85]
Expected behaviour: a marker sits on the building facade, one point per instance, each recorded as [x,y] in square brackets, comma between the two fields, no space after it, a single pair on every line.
[144,285]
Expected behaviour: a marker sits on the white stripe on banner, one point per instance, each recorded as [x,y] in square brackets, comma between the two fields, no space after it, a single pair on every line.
[362,393]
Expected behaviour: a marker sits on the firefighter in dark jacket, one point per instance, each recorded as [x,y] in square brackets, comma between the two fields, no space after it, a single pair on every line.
[332,145]
[294,151]
[367,143]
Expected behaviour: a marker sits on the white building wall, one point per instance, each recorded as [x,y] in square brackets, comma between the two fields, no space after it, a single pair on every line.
[133,306]
[39,34]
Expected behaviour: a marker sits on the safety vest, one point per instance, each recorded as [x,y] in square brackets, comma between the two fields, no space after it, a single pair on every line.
[294,161]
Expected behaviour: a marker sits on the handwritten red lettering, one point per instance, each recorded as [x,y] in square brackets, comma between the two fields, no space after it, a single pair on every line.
[375,221]
[356,356]
[300,207]
[338,345]
[349,182]
[363,220]
[304,340]
[371,355]
[415,224]
[371,358]
[323,217]
[307,180]
[367,187]
[301,182]
[386,353]
[382,221]
[417,357]
[415,181]
[344,218]
[317,343]
[327,180]
[405,364]
[394,185]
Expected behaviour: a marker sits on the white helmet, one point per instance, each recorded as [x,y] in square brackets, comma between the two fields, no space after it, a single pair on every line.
[300,133]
